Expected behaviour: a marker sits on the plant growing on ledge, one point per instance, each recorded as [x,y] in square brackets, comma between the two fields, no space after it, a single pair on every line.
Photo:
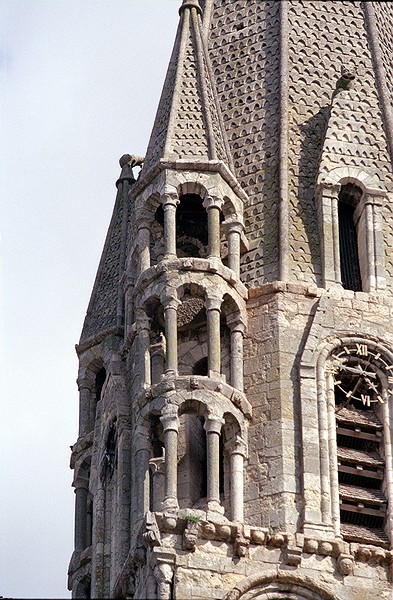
[193,518]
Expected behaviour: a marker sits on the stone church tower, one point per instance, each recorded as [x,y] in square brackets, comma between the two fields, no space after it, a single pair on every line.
[236,361]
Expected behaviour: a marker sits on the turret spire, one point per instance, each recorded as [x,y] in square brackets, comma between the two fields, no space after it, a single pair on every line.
[188,124]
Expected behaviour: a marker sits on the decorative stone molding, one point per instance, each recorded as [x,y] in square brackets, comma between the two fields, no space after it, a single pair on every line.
[293,555]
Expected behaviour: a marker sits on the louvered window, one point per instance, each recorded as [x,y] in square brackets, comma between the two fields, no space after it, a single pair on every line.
[348,239]
[363,504]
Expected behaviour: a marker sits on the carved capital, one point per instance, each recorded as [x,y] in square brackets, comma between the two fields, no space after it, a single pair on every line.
[328,190]
[86,382]
[169,199]
[235,322]
[169,417]
[233,226]
[240,447]
[142,321]
[213,202]
[163,573]
[170,302]
[213,424]
[213,303]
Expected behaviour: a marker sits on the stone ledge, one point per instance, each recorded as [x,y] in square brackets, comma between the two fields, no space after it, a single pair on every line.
[274,287]
[311,291]
[210,266]
[197,383]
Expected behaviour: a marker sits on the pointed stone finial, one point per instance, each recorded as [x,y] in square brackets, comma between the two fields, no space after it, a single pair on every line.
[190,4]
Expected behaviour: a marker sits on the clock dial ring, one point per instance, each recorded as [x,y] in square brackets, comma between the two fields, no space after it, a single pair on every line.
[356,370]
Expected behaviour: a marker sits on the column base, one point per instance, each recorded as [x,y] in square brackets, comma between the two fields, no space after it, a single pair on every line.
[170,505]
[170,374]
[169,257]
[215,507]
[319,531]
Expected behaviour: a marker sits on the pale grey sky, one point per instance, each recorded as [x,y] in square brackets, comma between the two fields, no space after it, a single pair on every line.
[80,82]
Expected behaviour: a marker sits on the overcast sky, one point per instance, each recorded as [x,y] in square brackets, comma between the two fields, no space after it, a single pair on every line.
[80,82]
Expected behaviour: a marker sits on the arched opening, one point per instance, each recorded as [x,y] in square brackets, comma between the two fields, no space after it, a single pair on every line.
[191,227]
[192,457]
[359,396]
[156,463]
[157,246]
[108,461]
[155,311]
[83,589]
[348,201]
[201,367]
[99,382]
[192,335]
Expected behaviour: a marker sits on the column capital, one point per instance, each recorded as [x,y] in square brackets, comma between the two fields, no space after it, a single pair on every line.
[85,382]
[80,484]
[163,573]
[233,226]
[213,202]
[169,417]
[235,322]
[213,424]
[213,303]
[142,222]
[329,189]
[170,302]
[374,197]
[169,199]
[240,447]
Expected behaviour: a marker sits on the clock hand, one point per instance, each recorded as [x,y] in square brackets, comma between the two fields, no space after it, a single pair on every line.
[371,385]
[358,370]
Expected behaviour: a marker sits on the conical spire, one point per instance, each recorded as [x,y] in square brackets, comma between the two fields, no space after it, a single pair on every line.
[188,124]
[105,310]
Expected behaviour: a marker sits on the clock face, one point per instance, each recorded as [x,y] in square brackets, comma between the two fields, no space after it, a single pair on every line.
[355,369]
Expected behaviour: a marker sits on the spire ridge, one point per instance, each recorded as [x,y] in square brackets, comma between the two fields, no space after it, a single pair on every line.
[190,4]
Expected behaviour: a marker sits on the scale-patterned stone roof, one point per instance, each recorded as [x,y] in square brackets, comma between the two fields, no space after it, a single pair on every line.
[188,122]
[105,311]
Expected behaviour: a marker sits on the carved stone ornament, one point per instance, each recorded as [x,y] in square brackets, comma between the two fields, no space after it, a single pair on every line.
[151,535]
[345,564]
[241,544]
[190,536]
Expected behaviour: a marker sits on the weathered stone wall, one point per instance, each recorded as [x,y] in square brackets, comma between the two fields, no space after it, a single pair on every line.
[278,319]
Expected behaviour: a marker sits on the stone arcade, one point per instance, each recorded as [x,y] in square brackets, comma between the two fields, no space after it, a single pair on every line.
[236,360]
